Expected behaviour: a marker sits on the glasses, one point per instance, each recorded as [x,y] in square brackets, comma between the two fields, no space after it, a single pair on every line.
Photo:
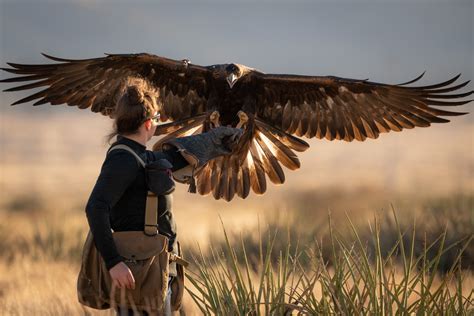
[155,118]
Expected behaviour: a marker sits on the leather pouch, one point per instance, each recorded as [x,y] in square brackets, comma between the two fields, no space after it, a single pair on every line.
[159,177]
[146,256]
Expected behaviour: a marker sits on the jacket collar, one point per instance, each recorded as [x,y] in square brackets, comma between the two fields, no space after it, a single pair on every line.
[131,143]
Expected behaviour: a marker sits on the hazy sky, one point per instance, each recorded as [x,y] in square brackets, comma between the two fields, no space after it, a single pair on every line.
[388,41]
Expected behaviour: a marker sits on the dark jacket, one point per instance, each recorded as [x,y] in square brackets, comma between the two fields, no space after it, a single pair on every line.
[118,199]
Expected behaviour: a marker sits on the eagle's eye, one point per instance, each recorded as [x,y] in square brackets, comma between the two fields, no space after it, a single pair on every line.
[232,68]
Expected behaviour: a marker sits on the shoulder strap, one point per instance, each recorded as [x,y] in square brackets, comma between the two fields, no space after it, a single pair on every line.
[122,146]
[151,211]
[151,214]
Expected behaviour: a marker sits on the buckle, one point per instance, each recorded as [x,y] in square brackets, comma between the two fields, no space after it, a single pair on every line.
[155,231]
[179,260]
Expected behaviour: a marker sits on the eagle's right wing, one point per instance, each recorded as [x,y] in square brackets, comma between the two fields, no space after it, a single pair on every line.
[96,83]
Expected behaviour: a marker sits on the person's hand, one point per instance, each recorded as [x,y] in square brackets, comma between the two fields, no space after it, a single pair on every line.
[122,276]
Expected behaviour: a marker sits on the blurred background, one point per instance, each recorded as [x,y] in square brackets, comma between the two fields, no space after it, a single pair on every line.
[51,155]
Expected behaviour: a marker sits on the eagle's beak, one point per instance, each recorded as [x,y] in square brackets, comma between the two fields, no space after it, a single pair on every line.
[232,79]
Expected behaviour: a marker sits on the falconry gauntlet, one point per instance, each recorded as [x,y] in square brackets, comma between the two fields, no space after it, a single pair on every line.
[199,149]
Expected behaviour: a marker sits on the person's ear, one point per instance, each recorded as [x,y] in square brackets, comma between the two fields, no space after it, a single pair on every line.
[147,125]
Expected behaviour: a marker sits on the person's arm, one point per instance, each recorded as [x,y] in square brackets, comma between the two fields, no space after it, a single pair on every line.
[173,156]
[198,149]
[118,171]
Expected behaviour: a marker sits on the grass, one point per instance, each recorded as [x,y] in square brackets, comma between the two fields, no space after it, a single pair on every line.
[454,214]
[393,265]
[358,282]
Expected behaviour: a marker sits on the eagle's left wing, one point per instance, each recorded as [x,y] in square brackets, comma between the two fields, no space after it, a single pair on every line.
[325,107]
[348,109]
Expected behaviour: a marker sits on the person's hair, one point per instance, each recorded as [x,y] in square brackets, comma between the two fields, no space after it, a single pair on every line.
[137,103]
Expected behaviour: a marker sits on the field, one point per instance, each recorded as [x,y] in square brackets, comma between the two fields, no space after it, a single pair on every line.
[49,163]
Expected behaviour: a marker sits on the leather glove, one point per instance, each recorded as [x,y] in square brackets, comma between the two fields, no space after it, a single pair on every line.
[199,149]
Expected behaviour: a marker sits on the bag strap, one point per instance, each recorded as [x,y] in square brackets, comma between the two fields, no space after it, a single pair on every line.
[151,214]
[151,211]
[130,150]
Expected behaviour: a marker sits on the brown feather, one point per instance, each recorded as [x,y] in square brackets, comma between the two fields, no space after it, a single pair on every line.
[221,188]
[287,139]
[270,162]
[243,184]
[183,131]
[257,173]
[203,179]
[187,123]
[284,154]
[215,177]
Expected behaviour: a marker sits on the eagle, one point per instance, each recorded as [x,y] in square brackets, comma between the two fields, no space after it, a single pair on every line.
[273,110]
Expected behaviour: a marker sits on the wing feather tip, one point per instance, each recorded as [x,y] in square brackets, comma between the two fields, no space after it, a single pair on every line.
[48,56]
[55,58]
[13,65]
[459,113]
[413,80]
[18,102]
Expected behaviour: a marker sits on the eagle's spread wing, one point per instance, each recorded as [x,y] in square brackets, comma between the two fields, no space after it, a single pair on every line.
[286,105]
[95,83]
[347,109]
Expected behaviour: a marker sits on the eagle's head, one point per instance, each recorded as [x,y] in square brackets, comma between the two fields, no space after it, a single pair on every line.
[234,72]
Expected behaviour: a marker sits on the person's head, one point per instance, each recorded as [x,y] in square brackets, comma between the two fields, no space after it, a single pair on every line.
[136,111]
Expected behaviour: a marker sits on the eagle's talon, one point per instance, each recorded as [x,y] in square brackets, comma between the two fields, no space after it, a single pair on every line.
[214,119]
[243,119]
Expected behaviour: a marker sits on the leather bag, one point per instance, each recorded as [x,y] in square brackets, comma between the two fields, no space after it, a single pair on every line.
[147,258]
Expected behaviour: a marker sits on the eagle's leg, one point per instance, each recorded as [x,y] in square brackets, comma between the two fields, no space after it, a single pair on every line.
[214,119]
[246,123]
[243,119]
